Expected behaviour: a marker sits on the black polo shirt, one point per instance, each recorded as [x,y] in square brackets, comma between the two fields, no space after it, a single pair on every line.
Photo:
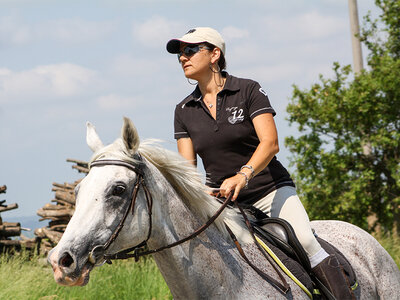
[228,142]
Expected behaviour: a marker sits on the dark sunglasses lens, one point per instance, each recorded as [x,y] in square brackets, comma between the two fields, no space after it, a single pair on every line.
[189,51]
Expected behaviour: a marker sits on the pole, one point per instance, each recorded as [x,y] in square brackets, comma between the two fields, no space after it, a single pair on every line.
[355,41]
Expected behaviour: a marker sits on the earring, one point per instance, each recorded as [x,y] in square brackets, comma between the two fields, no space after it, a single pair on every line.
[192,83]
[212,70]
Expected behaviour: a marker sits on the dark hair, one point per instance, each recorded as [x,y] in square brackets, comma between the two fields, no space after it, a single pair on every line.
[221,61]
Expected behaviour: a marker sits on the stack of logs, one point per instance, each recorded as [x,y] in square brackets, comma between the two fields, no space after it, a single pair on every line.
[10,230]
[60,211]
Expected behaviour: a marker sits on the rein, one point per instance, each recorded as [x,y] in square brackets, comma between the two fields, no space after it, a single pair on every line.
[139,250]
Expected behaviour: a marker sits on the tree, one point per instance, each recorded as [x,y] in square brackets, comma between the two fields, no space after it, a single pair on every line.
[339,119]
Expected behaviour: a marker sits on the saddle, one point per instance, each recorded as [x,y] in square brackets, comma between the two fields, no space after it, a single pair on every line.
[279,235]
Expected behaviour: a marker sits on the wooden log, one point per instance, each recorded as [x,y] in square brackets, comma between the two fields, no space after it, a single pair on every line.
[81,169]
[65,186]
[47,244]
[10,242]
[55,213]
[29,244]
[8,224]
[78,162]
[66,196]
[63,203]
[61,221]
[10,231]
[53,218]
[3,188]
[53,236]
[39,232]
[9,207]
[49,206]
[60,227]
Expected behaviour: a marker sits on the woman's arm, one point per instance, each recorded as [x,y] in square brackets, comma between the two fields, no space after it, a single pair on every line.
[186,149]
[267,148]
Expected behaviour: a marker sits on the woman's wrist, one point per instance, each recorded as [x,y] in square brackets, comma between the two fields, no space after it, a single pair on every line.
[245,177]
[248,167]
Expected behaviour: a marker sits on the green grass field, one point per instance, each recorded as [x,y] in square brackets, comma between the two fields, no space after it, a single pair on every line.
[22,278]
[33,279]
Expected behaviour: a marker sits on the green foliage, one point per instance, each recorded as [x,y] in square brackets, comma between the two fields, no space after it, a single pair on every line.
[22,278]
[348,154]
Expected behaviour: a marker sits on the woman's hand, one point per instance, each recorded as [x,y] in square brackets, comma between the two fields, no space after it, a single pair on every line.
[235,184]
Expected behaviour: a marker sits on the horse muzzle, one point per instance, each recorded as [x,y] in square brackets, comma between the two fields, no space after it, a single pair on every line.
[66,270]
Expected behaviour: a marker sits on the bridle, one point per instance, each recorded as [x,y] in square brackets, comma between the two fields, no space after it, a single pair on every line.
[139,250]
[138,169]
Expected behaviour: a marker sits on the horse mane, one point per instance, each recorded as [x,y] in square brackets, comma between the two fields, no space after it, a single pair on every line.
[184,179]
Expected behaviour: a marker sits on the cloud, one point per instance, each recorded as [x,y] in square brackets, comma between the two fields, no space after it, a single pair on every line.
[129,65]
[45,82]
[310,25]
[231,33]
[156,31]
[14,31]
[76,30]
[116,102]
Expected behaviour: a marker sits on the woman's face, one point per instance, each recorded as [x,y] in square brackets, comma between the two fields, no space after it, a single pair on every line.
[195,60]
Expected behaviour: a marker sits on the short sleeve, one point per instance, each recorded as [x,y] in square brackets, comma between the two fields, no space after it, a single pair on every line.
[180,130]
[258,102]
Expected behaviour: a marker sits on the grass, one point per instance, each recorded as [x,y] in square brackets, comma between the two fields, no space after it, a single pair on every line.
[22,278]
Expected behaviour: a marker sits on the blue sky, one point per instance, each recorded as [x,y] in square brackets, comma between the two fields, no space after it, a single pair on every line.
[63,63]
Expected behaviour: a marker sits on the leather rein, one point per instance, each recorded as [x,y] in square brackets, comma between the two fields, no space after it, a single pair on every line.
[140,250]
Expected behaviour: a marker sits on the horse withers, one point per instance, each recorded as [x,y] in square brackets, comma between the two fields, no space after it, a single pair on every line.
[205,267]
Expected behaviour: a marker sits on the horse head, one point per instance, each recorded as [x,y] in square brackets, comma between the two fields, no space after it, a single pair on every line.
[102,198]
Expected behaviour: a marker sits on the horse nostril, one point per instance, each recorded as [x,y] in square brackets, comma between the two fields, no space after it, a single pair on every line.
[66,260]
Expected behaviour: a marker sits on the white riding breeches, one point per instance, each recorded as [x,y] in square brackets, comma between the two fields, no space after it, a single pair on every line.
[284,203]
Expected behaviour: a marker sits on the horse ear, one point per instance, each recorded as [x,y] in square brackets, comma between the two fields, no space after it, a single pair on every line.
[92,138]
[130,136]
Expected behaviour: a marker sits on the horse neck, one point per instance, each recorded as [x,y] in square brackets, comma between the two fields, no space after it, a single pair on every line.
[190,269]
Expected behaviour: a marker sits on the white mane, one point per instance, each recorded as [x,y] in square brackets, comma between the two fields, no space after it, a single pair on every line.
[185,180]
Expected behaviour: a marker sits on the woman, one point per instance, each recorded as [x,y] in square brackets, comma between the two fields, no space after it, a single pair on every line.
[229,123]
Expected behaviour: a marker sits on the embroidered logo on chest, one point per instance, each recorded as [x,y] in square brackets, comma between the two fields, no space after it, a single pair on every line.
[236,116]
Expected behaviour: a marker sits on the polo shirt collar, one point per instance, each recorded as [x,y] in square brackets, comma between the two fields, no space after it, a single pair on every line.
[231,84]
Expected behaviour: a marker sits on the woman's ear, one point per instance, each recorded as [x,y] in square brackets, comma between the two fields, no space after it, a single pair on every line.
[216,54]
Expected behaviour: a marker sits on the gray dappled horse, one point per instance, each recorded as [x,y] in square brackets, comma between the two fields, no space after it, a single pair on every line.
[207,266]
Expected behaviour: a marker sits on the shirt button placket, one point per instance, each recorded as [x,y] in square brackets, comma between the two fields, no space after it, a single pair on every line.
[217,113]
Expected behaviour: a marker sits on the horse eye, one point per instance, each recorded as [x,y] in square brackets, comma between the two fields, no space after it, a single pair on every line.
[118,190]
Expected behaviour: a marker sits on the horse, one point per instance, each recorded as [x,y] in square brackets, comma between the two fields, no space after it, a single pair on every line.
[208,266]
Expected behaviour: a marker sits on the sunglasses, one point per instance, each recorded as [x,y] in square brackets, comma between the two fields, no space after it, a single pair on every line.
[191,50]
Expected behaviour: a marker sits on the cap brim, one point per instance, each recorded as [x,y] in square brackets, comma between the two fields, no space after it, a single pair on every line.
[173,46]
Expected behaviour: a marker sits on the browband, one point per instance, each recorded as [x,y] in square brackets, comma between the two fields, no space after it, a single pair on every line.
[116,162]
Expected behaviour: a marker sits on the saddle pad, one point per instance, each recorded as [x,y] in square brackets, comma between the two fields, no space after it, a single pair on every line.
[292,265]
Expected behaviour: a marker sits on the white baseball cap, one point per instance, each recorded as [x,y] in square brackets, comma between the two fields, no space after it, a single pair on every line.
[196,36]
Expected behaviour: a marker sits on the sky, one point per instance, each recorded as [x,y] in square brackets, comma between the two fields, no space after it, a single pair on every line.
[63,63]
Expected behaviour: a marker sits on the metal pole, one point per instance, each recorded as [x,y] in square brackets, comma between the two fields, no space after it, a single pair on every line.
[355,41]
